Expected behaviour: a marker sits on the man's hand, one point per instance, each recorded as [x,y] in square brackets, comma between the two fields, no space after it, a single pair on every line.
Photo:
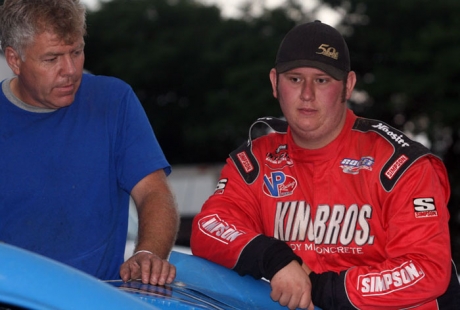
[291,287]
[148,267]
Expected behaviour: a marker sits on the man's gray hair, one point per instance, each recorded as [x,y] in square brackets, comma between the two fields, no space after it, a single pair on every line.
[22,20]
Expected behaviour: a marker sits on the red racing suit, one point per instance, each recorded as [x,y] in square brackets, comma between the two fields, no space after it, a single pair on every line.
[367,213]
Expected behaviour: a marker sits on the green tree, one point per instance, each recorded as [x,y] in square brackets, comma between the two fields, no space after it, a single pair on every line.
[202,79]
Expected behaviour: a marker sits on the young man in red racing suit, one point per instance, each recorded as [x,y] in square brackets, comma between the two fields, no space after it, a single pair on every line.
[336,211]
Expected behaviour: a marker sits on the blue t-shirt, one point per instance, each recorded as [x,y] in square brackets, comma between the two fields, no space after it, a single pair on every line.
[66,174]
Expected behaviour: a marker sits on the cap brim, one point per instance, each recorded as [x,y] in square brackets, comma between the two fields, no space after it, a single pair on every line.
[328,69]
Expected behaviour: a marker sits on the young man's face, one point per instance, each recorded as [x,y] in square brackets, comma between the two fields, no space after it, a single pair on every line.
[51,71]
[313,104]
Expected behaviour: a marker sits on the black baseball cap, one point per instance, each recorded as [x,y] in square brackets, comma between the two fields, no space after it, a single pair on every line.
[314,45]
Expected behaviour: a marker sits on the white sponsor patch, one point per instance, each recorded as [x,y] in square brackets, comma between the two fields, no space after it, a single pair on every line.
[220,187]
[388,281]
[394,135]
[218,229]
[425,207]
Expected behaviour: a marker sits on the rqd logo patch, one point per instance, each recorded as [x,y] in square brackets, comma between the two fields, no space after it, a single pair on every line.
[353,166]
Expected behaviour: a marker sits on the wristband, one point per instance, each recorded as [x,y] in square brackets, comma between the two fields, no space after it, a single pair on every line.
[142,251]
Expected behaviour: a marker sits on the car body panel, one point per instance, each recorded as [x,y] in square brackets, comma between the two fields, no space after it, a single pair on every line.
[32,281]
[201,284]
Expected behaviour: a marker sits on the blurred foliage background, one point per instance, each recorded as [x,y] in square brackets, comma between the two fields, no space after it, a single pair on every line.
[203,78]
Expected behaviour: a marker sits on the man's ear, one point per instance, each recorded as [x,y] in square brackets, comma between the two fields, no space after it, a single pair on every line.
[351,82]
[13,59]
[274,82]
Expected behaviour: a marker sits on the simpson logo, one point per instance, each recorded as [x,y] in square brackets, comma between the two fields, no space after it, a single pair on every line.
[388,281]
[279,184]
[221,186]
[353,166]
[390,173]
[245,162]
[215,228]
[425,207]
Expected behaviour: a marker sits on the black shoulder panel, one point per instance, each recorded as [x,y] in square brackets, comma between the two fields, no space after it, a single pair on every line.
[243,157]
[406,151]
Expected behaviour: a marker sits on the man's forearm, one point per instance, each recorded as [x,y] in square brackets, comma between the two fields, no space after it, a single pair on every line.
[158,224]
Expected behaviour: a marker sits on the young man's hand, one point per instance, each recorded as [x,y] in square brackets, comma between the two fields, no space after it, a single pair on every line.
[291,287]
